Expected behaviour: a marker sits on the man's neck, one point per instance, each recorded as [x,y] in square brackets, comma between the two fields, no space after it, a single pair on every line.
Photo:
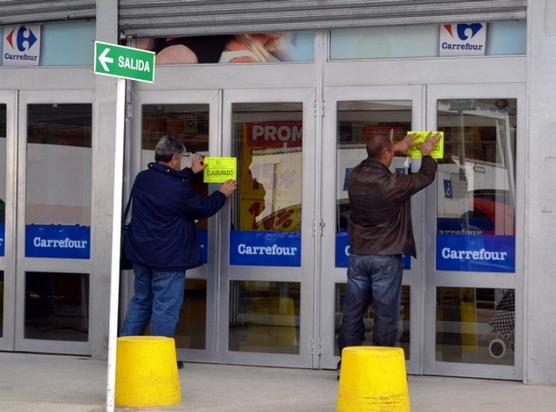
[169,165]
[379,161]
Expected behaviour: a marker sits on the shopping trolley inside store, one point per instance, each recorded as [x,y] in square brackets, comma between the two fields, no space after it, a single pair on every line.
[503,326]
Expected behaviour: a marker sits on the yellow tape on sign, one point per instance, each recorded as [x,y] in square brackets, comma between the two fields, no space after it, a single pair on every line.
[415,148]
[220,169]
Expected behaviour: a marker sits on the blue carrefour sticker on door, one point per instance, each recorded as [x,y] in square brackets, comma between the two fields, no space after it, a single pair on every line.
[448,193]
[342,249]
[265,248]
[342,252]
[346,177]
[2,237]
[480,253]
[58,241]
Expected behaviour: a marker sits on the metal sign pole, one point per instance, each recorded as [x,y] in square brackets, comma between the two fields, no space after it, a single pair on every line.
[116,244]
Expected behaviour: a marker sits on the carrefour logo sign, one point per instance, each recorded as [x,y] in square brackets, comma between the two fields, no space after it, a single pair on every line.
[463,39]
[21,45]
[475,253]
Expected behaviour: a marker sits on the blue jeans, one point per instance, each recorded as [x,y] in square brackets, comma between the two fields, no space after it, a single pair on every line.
[372,280]
[158,298]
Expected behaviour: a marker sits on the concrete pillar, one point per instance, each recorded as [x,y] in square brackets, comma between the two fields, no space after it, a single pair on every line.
[103,176]
[540,144]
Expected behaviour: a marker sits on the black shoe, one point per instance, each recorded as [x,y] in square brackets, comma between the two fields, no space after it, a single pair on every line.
[338,369]
[180,364]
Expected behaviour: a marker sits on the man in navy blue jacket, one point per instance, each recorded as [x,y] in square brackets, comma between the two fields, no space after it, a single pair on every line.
[162,242]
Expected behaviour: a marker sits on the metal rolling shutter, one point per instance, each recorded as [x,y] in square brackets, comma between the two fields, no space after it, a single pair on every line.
[142,18]
[29,11]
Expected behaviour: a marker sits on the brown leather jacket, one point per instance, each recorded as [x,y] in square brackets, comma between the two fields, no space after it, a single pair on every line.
[380,222]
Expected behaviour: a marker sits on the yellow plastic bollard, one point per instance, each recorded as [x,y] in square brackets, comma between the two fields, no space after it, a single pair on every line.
[373,379]
[468,328]
[146,372]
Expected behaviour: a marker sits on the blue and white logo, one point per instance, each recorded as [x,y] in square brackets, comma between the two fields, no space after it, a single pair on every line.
[58,241]
[448,193]
[342,252]
[475,253]
[24,39]
[463,39]
[265,248]
[21,45]
[467,31]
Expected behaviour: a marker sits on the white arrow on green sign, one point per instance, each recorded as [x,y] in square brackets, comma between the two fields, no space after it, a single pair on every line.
[124,62]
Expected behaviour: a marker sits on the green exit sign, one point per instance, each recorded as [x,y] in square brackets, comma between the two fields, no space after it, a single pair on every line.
[124,62]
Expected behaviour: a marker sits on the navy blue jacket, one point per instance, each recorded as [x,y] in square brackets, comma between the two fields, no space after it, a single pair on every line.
[162,233]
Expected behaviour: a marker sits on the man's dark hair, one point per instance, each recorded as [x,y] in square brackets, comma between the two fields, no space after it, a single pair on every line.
[168,147]
[377,145]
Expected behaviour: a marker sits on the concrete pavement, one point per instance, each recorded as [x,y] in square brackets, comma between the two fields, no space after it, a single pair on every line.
[30,382]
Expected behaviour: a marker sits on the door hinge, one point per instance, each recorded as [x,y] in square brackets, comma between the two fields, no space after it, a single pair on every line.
[318,108]
[128,110]
[316,347]
[318,228]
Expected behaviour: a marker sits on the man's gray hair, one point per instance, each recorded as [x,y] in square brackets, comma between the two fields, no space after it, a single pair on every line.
[168,147]
[377,145]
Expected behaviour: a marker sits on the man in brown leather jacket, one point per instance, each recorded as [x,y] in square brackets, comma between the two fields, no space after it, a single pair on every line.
[380,232]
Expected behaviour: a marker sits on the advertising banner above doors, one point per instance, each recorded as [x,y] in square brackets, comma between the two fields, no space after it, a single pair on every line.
[239,48]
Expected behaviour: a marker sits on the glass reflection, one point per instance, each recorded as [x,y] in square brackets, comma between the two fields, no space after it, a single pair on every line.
[1,303]
[188,123]
[268,142]
[57,306]
[3,121]
[476,185]
[357,121]
[3,131]
[475,325]
[58,181]
[264,317]
[404,323]
[191,328]
[59,164]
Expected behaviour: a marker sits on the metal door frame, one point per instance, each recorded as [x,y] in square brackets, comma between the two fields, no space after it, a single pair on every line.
[331,274]
[436,278]
[25,264]
[304,274]
[7,262]
[208,272]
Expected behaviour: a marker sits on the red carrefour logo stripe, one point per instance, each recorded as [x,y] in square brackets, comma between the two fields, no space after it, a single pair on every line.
[10,37]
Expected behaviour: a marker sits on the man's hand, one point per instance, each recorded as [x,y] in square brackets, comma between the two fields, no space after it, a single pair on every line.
[401,147]
[197,164]
[228,187]
[429,144]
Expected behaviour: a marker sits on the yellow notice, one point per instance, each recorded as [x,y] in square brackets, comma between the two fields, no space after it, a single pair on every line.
[415,148]
[220,169]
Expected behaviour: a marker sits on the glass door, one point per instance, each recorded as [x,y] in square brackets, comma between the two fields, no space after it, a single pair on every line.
[352,115]
[473,312]
[266,289]
[54,222]
[193,117]
[8,110]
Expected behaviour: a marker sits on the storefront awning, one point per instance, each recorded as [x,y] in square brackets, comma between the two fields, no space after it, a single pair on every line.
[144,18]
[30,11]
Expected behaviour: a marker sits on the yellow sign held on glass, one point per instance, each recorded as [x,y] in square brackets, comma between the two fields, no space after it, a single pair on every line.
[219,169]
[415,148]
